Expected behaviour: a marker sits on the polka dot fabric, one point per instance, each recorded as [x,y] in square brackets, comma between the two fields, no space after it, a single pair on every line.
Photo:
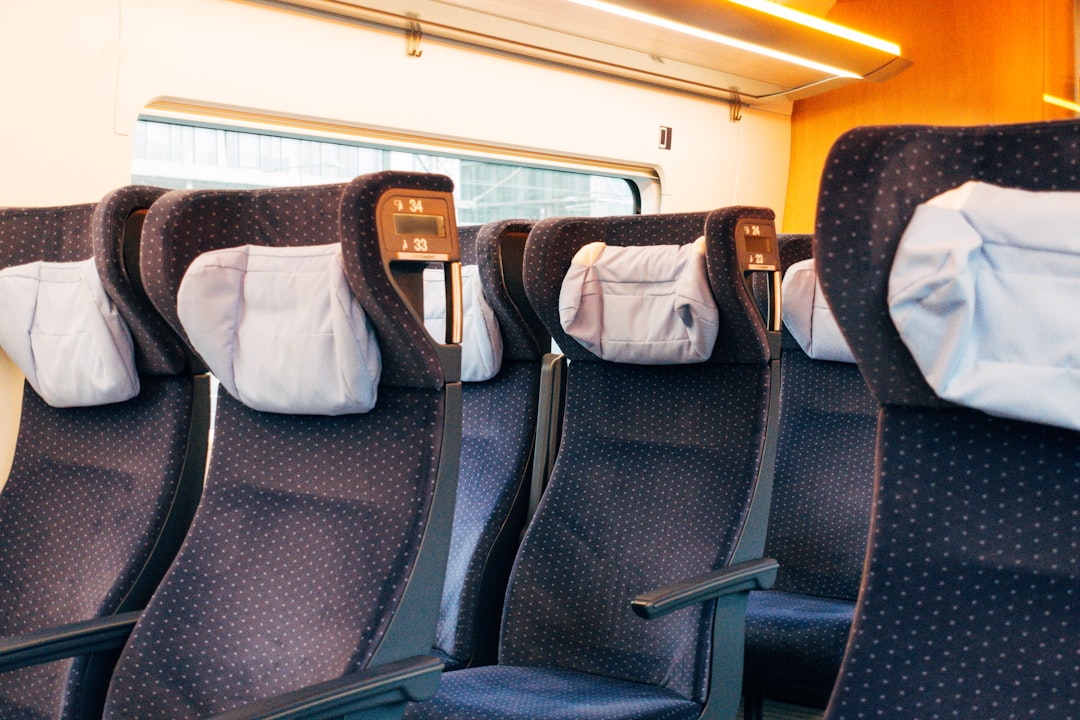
[968,607]
[548,694]
[873,179]
[157,349]
[820,516]
[498,425]
[310,527]
[552,244]
[818,524]
[651,486]
[183,224]
[297,557]
[521,341]
[408,356]
[56,234]
[78,520]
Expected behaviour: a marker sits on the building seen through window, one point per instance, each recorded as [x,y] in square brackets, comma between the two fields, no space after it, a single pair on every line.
[182,155]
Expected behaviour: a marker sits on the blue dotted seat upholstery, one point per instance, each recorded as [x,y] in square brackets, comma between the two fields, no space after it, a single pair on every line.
[652,483]
[498,428]
[820,516]
[86,531]
[969,603]
[310,556]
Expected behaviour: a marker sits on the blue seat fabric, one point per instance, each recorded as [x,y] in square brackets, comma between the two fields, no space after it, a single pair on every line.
[310,526]
[794,644]
[818,524]
[968,607]
[650,487]
[247,614]
[74,523]
[79,521]
[517,693]
[498,427]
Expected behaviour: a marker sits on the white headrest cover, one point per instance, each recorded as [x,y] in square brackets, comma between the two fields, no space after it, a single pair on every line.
[647,305]
[809,318]
[985,293]
[281,330]
[481,341]
[62,330]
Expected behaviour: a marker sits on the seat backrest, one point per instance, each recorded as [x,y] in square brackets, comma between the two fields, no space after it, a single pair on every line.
[822,496]
[498,430]
[87,531]
[320,543]
[968,607]
[655,471]
[822,485]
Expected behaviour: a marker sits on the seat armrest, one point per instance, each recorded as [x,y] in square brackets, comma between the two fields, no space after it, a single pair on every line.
[757,574]
[67,641]
[415,678]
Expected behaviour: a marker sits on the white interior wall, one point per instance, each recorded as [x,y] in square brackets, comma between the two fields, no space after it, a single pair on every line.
[78,73]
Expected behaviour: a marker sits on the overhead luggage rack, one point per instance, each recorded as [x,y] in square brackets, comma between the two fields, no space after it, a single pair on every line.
[750,51]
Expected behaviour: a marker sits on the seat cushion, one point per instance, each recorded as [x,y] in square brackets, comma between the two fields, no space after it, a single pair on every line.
[642,305]
[281,330]
[504,692]
[980,289]
[796,640]
[63,331]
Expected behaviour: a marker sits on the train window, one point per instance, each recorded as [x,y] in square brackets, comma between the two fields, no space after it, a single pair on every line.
[173,154]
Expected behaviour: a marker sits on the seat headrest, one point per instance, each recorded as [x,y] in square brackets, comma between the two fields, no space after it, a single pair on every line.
[63,331]
[808,317]
[481,341]
[645,305]
[983,292]
[497,248]
[281,330]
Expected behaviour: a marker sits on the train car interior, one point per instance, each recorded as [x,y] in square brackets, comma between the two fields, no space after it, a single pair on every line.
[546,360]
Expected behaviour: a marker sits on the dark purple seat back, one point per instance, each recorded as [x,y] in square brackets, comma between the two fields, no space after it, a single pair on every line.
[654,475]
[98,498]
[968,607]
[307,544]
[498,429]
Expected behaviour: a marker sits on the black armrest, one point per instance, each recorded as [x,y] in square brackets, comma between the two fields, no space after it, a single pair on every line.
[742,577]
[415,678]
[66,641]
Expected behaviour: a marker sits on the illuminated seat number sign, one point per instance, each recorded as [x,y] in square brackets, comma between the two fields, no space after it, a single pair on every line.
[417,227]
[759,244]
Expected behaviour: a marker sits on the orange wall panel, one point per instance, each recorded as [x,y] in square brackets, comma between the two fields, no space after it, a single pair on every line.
[973,62]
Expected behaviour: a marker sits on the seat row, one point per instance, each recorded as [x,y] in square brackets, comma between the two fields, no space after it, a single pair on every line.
[309,582]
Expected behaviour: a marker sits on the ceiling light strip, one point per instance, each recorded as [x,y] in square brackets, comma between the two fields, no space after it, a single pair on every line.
[1061,102]
[715,37]
[812,21]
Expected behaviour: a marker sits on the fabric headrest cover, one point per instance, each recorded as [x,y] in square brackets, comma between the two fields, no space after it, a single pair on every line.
[481,341]
[281,330]
[984,292]
[646,305]
[61,329]
[809,318]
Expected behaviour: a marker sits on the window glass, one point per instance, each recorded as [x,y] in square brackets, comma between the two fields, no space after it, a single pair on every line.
[182,155]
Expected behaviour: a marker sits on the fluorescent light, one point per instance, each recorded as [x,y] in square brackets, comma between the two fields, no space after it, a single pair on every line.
[1060,102]
[715,37]
[812,21]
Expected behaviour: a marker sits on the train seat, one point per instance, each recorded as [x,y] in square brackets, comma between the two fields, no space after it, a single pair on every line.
[502,346]
[968,606]
[820,516]
[308,585]
[650,507]
[86,532]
